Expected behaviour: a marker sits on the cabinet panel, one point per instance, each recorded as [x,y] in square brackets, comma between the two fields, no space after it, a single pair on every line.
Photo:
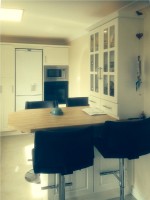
[104,182]
[82,183]
[7,81]
[94,102]
[7,60]
[109,107]
[56,55]
[8,100]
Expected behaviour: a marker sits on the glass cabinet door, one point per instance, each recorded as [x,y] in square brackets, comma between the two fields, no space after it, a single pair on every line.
[109,61]
[96,41]
[105,38]
[94,62]
[112,36]
[91,43]
[91,63]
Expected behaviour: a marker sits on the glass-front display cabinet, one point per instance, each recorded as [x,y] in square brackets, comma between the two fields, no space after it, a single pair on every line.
[94,63]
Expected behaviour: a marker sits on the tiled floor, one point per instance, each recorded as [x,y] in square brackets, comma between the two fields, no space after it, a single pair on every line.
[17,149]
[128,197]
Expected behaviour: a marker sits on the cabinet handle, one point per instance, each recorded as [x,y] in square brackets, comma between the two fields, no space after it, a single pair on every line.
[92,101]
[12,89]
[45,59]
[107,107]
[33,87]
[99,72]
[0,88]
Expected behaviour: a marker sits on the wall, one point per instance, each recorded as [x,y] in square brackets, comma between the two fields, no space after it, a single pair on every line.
[141,189]
[79,67]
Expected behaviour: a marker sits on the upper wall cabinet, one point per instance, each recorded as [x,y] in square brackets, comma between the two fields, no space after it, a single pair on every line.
[55,56]
[114,51]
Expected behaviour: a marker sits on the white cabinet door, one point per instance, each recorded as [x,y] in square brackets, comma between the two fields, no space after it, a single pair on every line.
[56,55]
[109,61]
[7,81]
[95,69]
[104,182]
[7,60]
[82,182]
[28,71]
[8,100]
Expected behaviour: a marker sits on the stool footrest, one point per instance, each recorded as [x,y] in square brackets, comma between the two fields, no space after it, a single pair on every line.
[55,186]
[114,172]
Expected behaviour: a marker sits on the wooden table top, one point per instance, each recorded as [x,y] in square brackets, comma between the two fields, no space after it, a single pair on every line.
[32,120]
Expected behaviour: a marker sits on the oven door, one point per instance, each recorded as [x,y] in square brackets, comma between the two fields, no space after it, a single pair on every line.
[56,90]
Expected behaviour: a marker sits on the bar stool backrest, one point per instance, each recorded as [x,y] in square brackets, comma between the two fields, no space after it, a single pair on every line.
[77,101]
[40,104]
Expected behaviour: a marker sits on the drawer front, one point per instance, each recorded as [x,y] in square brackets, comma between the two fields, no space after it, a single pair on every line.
[110,108]
[94,101]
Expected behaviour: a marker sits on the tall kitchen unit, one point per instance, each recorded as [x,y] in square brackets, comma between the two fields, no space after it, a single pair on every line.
[29,76]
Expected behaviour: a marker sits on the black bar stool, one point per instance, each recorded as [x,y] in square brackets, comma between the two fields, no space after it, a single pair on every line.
[63,151]
[123,139]
[30,176]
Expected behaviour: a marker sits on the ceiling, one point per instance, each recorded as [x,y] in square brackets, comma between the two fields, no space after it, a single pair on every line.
[58,20]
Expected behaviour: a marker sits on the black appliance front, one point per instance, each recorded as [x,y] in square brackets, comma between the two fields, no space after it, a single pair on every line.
[56,90]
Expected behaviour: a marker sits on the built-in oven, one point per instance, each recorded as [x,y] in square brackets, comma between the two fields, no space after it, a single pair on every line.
[56,90]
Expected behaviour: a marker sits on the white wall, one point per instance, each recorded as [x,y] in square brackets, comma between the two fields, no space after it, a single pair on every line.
[79,67]
[141,189]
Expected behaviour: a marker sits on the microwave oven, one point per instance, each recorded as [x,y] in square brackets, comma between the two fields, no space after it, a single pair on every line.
[55,73]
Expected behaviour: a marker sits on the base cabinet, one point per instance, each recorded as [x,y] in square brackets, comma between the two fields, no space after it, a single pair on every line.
[88,182]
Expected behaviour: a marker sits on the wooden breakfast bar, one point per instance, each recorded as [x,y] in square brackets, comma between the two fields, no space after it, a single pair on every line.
[41,119]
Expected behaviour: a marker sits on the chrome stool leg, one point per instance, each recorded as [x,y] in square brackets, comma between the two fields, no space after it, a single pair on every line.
[121,175]
[61,187]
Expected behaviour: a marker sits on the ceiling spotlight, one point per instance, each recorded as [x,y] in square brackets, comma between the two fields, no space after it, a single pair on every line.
[10,14]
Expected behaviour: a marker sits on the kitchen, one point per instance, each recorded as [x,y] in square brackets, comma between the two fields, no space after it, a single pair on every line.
[80,48]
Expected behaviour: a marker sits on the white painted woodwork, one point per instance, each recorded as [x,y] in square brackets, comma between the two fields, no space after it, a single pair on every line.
[7,84]
[126,51]
[55,55]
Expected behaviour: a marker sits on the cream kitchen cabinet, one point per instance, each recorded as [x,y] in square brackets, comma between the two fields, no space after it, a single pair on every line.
[117,66]
[55,55]
[7,59]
